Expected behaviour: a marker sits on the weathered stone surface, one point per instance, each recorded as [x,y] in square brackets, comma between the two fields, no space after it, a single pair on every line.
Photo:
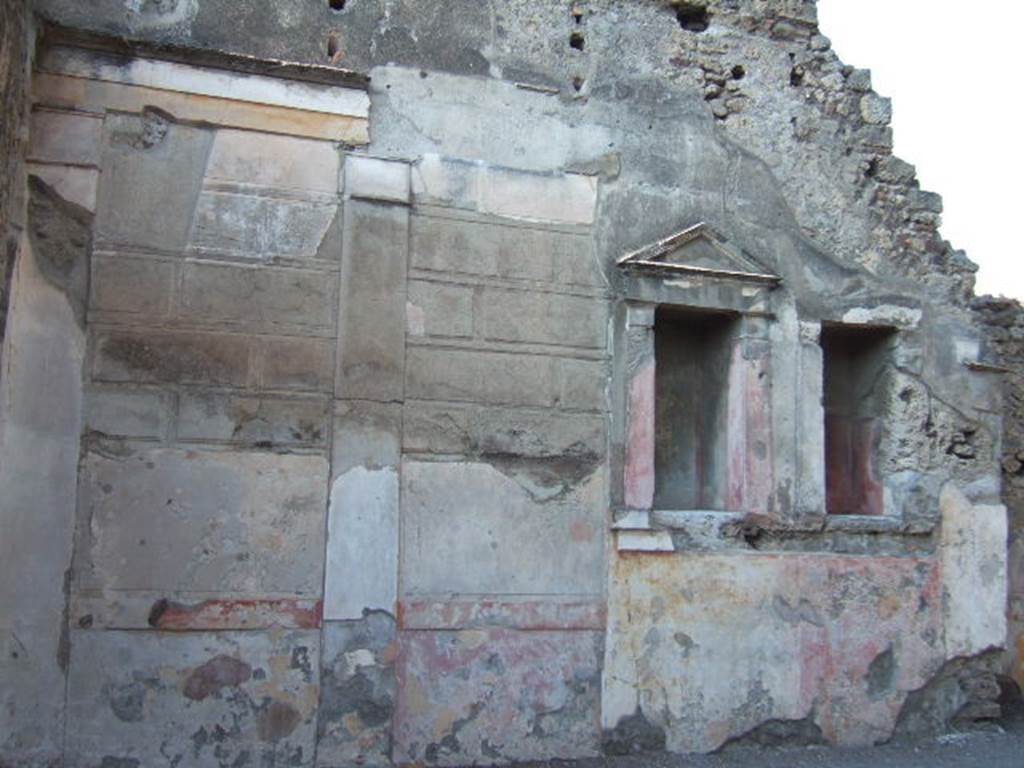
[65,137]
[545,318]
[258,227]
[822,624]
[537,433]
[179,357]
[357,692]
[126,413]
[366,434]
[296,363]
[135,206]
[497,696]
[437,309]
[259,297]
[263,422]
[481,377]
[371,322]
[973,574]
[280,162]
[180,521]
[40,422]
[513,529]
[492,247]
[131,285]
[362,544]
[204,699]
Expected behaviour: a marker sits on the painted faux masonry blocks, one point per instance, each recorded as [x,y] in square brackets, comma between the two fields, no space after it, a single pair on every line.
[363,446]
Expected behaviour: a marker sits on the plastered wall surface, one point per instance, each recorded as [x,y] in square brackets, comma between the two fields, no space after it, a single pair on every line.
[358,383]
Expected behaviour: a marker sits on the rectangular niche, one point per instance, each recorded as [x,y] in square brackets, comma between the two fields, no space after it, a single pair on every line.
[856,386]
[693,356]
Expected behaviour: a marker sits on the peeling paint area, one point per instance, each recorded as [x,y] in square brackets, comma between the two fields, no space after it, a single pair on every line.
[201,699]
[358,692]
[745,640]
[492,696]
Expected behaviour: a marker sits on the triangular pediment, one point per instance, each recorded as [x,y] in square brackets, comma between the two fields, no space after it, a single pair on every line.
[698,250]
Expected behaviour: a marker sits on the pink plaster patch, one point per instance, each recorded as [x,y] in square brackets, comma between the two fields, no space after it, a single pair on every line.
[639,480]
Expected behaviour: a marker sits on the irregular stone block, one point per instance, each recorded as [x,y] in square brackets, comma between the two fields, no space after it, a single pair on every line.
[197,699]
[437,309]
[362,544]
[512,528]
[131,285]
[545,318]
[183,520]
[186,358]
[261,421]
[357,692]
[137,205]
[71,138]
[375,179]
[269,160]
[260,297]
[371,323]
[259,228]
[974,573]
[297,364]
[120,413]
[497,696]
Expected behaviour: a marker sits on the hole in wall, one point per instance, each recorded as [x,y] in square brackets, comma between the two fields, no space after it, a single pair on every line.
[577,14]
[796,76]
[577,83]
[337,5]
[693,17]
[738,72]
[332,46]
[577,41]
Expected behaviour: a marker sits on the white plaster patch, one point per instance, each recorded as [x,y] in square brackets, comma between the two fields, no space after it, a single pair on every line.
[885,314]
[973,547]
[362,544]
[376,179]
[645,541]
[415,320]
[182,78]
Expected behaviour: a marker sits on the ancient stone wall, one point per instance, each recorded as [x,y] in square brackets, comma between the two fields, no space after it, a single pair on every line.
[1004,319]
[358,444]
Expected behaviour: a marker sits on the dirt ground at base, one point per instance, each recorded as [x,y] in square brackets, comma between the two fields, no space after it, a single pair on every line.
[1000,747]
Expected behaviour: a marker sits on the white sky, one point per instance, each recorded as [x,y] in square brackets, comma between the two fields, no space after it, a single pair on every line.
[952,69]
